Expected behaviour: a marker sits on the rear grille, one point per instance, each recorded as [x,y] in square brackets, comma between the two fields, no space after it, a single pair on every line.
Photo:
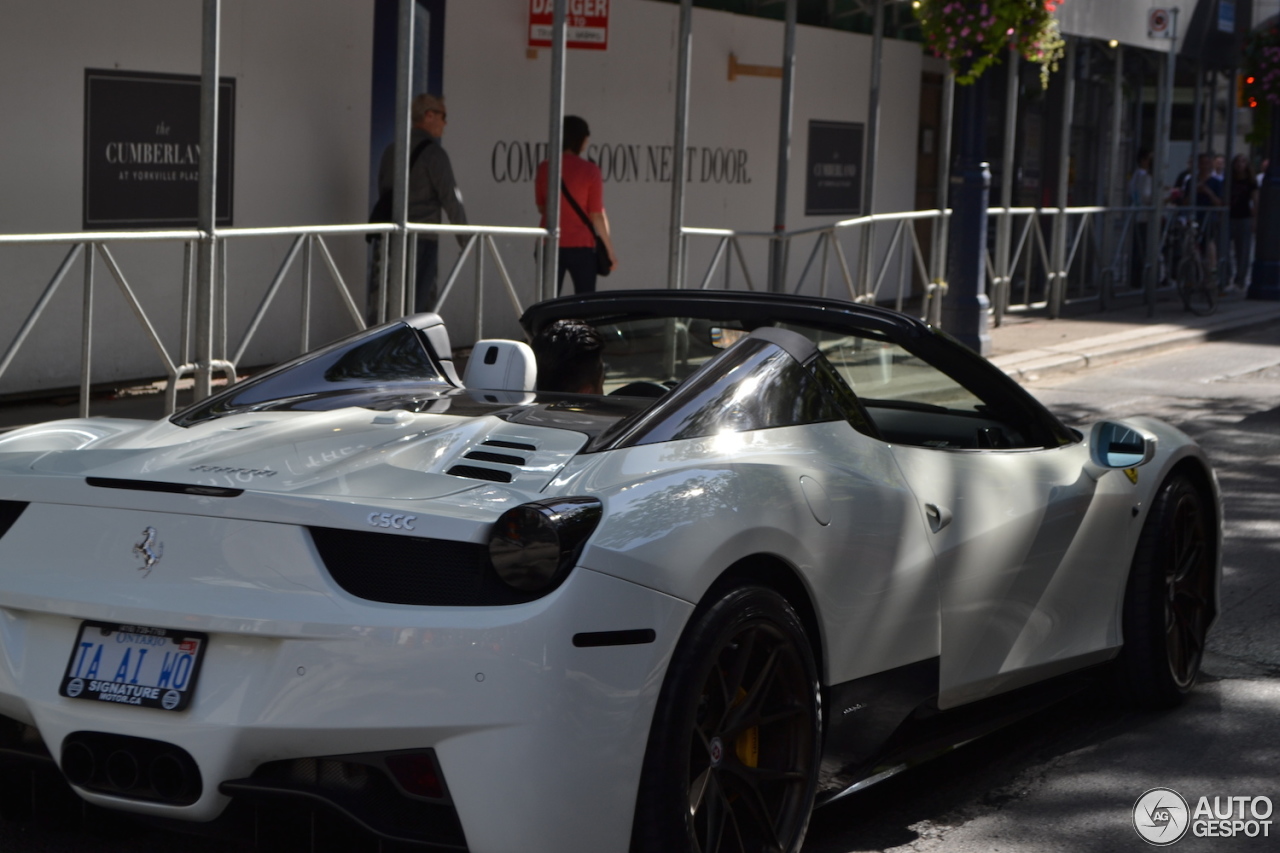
[360,787]
[398,569]
[9,512]
[476,472]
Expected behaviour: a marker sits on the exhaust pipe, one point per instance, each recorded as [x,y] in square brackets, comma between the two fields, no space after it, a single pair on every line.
[122,770]
[168,776]
[78,763]
[133,767]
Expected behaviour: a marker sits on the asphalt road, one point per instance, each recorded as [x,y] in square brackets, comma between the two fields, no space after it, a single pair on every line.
[1064,780]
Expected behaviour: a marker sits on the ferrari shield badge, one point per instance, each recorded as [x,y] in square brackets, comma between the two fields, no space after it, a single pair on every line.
[1131,473]
[149,550]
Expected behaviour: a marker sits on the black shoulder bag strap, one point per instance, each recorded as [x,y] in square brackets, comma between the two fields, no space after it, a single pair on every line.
[417,150]
[578,210]
[378,214]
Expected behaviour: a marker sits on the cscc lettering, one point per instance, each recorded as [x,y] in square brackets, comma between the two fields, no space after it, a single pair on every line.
[391,520]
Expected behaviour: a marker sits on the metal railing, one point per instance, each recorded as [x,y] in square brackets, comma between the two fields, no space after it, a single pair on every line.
[1040,258]
[1036,258]
[1091,254]
[863,280]
[308,243]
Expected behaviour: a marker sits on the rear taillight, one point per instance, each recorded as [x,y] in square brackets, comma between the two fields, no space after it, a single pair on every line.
[416,774]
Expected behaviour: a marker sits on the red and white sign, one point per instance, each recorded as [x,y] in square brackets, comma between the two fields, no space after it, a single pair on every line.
[1160,23]
[586,24]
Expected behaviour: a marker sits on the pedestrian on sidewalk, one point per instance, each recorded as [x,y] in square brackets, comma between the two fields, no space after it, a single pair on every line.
[582,214]
[1140,195]
[1244,189]
[1209,194]
[432,189]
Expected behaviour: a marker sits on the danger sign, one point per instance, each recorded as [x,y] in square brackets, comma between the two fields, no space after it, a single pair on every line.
[586,23]
[1160,23]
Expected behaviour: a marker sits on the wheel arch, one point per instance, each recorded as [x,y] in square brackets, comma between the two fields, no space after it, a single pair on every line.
[773,572]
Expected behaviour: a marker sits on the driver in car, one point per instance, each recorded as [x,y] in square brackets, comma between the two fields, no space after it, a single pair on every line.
[570,356]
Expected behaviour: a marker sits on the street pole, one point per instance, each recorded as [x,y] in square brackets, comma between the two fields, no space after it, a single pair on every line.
[555,146]
[398,285]
[777,251]
[675,260]
[938,248]
[964,310]
[1266,262]
[206,213]
[1058,284]
[873,108]
[867,246]
[1164,114]
[1226,262]
[1004,225]
[1117,195]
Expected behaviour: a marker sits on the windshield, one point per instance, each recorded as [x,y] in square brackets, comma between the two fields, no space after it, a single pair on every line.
[376,368]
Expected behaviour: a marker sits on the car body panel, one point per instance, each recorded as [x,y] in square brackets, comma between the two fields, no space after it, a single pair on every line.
[868,567]
[1020,585]
[485,687]
[932,577]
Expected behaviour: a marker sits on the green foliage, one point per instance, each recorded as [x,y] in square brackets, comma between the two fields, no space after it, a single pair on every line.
[972,35]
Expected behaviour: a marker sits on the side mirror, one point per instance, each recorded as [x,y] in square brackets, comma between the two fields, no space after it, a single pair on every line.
[1113,445]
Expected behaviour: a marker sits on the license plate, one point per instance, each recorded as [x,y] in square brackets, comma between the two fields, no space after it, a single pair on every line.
[134,665]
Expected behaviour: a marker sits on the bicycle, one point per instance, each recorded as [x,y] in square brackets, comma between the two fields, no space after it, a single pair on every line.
[1196,287]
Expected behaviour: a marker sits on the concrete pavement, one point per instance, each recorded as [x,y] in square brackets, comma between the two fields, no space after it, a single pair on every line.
[1030,346]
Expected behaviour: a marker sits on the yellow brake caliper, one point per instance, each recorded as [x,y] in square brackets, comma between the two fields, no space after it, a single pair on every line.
[747,746]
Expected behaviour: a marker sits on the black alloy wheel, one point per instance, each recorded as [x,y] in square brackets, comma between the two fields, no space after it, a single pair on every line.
[1187,599]
[733,753]
[1169,600]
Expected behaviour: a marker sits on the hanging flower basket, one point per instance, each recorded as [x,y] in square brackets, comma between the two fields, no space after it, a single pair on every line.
[1262,67]
[973,34]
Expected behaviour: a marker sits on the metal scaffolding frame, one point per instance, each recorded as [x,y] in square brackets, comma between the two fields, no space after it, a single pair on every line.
[400,261]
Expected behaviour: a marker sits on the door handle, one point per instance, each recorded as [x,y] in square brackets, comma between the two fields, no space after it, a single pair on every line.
[939,516]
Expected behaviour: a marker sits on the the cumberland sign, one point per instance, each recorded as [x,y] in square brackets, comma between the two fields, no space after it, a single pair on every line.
[142,149]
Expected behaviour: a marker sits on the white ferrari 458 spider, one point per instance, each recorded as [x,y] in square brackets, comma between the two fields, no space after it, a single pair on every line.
[808,544]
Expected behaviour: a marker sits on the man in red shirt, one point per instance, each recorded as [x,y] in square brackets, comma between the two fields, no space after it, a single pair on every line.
[583,183]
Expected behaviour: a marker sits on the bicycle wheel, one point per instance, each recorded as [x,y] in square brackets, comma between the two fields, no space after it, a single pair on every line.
[1197,294]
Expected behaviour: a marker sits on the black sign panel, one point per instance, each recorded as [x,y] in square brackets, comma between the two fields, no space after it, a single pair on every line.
[142,149]
[833,172]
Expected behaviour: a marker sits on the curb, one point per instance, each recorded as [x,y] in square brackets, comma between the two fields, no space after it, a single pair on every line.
[1031,365]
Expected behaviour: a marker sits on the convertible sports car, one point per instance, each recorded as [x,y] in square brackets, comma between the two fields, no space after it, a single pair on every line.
[808,544]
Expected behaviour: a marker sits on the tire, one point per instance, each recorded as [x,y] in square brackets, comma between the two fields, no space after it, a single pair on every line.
[1197,295]
[1168,603]
[732,759]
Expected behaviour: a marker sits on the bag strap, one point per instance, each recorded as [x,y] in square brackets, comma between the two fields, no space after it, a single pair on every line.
[418,149]
[578,210]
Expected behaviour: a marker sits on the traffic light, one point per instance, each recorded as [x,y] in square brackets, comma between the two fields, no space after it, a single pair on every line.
[1244,91]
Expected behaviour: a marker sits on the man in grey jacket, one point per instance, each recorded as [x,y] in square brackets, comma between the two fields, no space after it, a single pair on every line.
[432,188]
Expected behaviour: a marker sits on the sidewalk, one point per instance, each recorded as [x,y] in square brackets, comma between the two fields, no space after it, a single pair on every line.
[1029,347]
